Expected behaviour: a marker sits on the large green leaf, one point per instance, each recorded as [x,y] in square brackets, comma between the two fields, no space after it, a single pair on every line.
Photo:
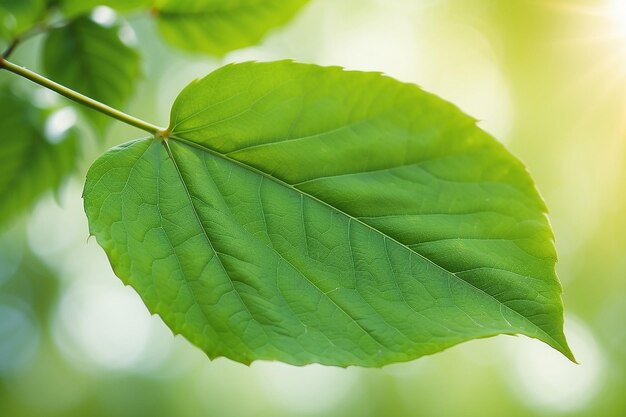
[30,163]
[219,26]
[308,214]
[93,60]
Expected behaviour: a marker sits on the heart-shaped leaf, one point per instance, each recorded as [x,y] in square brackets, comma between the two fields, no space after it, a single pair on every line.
[308,214]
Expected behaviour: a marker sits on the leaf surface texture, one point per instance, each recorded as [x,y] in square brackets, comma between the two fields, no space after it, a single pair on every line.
[310,214]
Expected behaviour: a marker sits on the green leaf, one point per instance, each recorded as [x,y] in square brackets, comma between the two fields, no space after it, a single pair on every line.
[308,214]
[72,8]
[18,15]
[31,162]
[92,59]
[219,26]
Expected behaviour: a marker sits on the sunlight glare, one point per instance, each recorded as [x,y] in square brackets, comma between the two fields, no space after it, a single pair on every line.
[617,10]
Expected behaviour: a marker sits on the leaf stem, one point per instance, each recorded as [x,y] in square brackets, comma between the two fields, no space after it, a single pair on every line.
[82,99]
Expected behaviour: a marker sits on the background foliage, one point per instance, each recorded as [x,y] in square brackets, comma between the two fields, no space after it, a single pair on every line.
[549,79]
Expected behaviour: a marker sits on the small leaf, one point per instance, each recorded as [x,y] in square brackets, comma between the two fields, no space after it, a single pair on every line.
[18,15]
[219,26]
[73,8]
[31,162]
[92,59]
[308,214]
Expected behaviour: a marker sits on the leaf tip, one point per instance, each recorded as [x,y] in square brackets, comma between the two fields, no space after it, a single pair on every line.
[567,352]
[559,343]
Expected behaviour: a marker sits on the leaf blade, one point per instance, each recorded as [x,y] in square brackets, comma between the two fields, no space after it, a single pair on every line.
[217,27]
[30,163]
[18,15]
[93,60]
[320,281]
[74,8]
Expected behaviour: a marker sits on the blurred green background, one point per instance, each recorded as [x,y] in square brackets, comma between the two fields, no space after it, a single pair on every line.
[548,78]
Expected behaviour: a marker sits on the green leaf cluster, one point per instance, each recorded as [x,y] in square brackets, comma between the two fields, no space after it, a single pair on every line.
[90,56]
[203,26]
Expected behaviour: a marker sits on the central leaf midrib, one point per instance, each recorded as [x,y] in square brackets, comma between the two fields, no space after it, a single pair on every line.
[289,186]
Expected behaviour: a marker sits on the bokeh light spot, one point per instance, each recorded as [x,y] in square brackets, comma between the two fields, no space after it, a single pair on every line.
[305,390]
[103,323]
[58,124]
[104,16]
[546,380]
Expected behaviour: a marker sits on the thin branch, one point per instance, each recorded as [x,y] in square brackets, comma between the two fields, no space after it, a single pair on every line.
[82,99]
[7,53]
[32,32]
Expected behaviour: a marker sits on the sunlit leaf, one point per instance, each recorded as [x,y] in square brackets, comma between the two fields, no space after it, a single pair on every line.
[219,26]
[32,161]
[92,59]
[308,214]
